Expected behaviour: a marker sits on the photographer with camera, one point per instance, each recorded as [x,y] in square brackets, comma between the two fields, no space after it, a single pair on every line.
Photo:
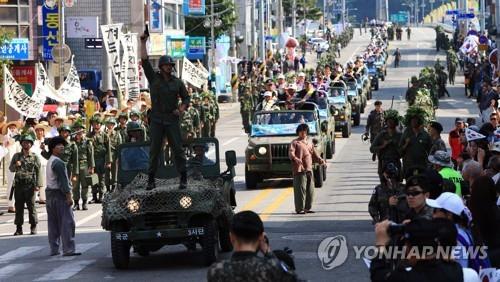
[424,261]
[248,239]
[388,200]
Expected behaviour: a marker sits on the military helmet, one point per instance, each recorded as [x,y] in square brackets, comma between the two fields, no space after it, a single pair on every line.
[27,137]
[414,79]
[95,119]
[195,96]
[165,60]
[200,144]
[111,120]
[133,126]
[64,128]
[123,115]
[135,113]
[77,126]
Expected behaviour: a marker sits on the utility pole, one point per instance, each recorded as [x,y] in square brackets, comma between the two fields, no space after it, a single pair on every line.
[423,9]
[262,53]
[343,14]
[212,35]
[294,18]
[61,41]
[234,66]
[254,35]
[416,12]
[386,10]
[482,19]
[279,17]
[107,78]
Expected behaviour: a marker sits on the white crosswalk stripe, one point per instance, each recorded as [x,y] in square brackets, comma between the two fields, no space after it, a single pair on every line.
[80,248]
[19,253]
[11,269]
[66,270]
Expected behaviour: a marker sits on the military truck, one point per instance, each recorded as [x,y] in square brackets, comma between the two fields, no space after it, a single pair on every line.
[266,155]
[147,220]
[356,101]
[340,107]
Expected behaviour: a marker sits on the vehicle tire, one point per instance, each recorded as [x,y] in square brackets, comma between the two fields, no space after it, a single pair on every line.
[328,153]
[376,87]
[318,177]
[324,172]
[251,179]
[333,144]
[385,73]
[383,78]
[210,243]
[224,241]
[357,120]
[345,131]
[120,251]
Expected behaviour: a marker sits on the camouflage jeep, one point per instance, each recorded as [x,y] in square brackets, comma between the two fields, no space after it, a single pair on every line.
[148,220]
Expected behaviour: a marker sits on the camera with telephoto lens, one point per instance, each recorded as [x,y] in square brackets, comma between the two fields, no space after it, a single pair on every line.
[396,229]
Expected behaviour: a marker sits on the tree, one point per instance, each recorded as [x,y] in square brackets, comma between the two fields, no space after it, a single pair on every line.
[194,24]
[5,36]
[312,12]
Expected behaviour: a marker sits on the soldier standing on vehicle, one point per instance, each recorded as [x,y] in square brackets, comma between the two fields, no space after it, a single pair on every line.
[27,181]
[411,93]
[248,239]
[115,139]
[388,200]
[165,113]
[385,144]
[86,165]
[375,121]
[102,157]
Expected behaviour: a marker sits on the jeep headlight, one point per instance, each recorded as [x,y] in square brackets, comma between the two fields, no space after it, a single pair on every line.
[371,76]
[342,116]
[262,150]
[185,202]
[133,205]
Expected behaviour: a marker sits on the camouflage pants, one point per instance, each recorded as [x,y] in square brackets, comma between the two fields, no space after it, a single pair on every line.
[110,178]
[212,128]
[81,187]
[245,119]
[100,170]
[26,196]
[207,129]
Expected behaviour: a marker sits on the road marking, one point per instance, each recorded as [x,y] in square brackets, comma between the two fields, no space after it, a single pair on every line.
[230,141]
[11,269]
[65,271]
[40,215]
[80,248]
[276,204]
[88,218]
[18,253]
[256,200]
[418,54]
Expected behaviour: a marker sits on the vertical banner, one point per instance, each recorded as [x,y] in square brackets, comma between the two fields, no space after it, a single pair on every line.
[111,35]
[15,96]
[50,30]
[155,16]
[129,43]
[71,90]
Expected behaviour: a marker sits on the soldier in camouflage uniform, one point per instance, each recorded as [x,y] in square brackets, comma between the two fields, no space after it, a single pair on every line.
[70,154]
[411,93]
[135,116]
[188,132]
[247,106]
[388,200]
[215,106]
[207,117]
[115,139]
[102,157]
[247,232]
[196,104]
[122,125]
[195,117]
[134,133]
[86,164]
[27,180]
[375,121]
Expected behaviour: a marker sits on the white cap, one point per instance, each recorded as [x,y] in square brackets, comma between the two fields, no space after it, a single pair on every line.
[268,94]
[302,74]
[281,76]
[448,201]
[291,86]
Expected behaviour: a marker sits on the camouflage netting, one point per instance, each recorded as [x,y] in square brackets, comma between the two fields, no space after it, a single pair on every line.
[205,194]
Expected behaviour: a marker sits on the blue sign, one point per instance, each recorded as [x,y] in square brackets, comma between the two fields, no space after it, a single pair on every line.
[196,47]
[50,30]
[16,49]
[193,7]
[465,16]
[156,17]
[452,12]
[269,37]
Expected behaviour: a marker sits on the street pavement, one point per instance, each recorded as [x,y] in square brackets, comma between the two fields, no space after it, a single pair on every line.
[341,205]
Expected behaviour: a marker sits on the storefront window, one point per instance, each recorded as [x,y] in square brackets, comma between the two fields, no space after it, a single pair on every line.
[25,31]
[10,2]
[24,15]
[170,16]
[181,18]
[8,14]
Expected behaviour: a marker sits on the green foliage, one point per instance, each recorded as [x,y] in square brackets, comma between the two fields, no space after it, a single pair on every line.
[392,114]
[5,36]
[418,112]
[194,26]
[312,12]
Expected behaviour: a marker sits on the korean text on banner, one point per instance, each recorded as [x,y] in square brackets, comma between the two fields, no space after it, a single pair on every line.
[50,30]
[129,43]
[111,36]
[15,96]
[15,49]
[70,90]
[192,74]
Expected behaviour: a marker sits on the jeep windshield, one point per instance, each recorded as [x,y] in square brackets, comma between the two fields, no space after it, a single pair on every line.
[281,123]
[352,88]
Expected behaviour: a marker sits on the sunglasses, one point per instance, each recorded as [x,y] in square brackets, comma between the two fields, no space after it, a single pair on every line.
[493,118]
[414,193]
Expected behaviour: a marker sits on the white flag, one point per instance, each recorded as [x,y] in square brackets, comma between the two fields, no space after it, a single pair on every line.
[111,35]
[16,97]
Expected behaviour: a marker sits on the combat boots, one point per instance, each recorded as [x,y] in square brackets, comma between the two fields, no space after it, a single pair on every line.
[19,230]
[94,198]
[76,207]
[183,182]
[84,206]
[99,199]
[33,229]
